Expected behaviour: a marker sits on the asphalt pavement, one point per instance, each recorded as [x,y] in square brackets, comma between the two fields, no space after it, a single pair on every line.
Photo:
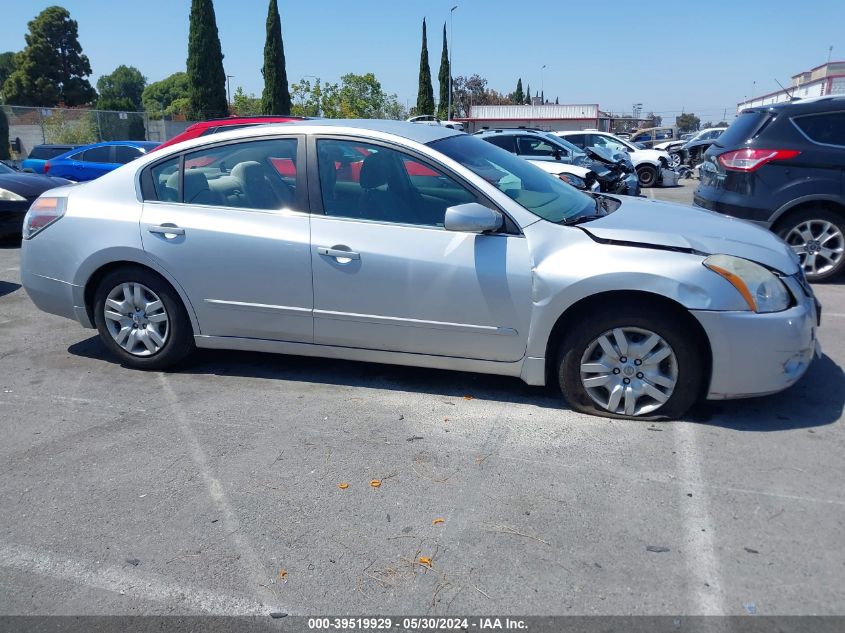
[246,483]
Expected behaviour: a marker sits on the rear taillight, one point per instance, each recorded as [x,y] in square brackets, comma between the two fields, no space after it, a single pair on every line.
[752,159]
[46,166]
[42,213]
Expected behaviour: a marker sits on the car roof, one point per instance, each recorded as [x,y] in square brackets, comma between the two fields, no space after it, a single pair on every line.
[816,104]
[511,130]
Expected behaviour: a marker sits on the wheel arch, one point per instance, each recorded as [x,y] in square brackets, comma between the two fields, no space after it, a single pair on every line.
[98,273]
[609,299]
[831,203]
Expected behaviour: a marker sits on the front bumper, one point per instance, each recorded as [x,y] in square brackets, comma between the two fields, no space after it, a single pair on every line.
[759,354]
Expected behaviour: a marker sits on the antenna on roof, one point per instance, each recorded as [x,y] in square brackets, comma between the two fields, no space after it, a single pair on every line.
[788,93]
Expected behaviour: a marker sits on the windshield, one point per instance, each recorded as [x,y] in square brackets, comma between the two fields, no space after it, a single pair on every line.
[559,140]
[612,143]
[539,192]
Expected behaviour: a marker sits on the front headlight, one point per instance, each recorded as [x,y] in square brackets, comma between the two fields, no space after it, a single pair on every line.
[761,289]
[575,181]
[10,196]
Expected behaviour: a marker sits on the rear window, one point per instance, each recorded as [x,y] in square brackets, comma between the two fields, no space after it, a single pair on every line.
[745,127]
[827,128]
[39,152]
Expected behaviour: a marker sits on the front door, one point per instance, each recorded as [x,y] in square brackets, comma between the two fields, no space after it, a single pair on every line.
[388,276]
[228,224]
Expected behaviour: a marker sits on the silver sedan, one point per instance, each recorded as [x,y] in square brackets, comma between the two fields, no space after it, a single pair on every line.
[419,245]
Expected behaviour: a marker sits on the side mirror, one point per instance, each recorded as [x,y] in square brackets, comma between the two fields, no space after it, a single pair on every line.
[472,218]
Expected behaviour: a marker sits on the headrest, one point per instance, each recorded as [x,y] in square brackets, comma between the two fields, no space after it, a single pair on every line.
[375,171]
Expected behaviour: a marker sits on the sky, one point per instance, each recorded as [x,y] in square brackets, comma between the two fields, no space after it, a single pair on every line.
[700,57]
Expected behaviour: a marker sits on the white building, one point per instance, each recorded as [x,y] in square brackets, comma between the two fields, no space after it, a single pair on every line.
[827,79]
[549,117]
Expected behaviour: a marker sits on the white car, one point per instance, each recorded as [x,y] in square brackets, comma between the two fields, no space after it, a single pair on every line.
[673,147]
[428,119]
[651,164]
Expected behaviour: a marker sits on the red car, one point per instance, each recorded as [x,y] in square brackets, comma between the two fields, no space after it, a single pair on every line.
[204,128]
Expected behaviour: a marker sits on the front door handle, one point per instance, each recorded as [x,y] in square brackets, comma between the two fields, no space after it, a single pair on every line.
[167,230]
[337,253]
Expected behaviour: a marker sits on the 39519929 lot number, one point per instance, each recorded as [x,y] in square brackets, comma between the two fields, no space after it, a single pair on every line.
[364,624]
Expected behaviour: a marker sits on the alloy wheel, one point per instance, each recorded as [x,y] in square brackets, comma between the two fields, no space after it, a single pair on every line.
[674,161]
[136,319]
[819,245]
[629,371]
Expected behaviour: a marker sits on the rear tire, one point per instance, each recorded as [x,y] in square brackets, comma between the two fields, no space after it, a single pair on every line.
[818,238]
[647,175]
[649,348]
[141,319]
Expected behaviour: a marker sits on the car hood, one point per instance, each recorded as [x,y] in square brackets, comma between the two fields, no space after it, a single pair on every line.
[666,225]
[649,154]
[30,185]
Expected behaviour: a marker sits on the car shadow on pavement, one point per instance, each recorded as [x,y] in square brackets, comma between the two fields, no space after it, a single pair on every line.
[7,288]
[328,371]
[817,399]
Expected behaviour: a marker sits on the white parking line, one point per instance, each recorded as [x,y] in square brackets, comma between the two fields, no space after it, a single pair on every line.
[132,583]
[705,583]
[231,524]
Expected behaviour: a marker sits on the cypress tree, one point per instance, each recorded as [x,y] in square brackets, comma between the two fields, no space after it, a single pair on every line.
[206,77]
[556,101]
[443,77]
[542,97]
[4,136]
[276,96]
[425,94]
[528,95]
[519,95]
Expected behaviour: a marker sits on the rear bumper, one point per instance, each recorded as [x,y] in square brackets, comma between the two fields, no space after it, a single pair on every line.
[733,204]
[759,354]
[55,296]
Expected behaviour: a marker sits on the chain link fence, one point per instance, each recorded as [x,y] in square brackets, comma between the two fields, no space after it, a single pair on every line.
[30,126]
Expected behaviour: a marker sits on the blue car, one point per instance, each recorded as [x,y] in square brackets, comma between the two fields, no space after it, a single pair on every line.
[40,154]
[92,161]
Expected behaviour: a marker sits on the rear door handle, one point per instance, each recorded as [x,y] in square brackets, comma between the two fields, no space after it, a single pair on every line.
[337,253]
[168,230]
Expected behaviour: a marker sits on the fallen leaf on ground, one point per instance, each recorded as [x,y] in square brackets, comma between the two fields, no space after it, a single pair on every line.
[375,483]
[424,560]
[343,485]
[438,521]
[283,574]
[469,397]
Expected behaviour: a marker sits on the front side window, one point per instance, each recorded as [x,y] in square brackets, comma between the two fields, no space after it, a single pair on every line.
[250,175]
[97,155]
[540,193]
[828,129]
[372,182]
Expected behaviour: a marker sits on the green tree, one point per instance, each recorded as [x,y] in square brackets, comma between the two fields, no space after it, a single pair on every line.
[721,124]
[687,122]
[425,93]
[123,89]
[244,104]
[528,95]
[443,78]
[51,69]
[468,91]
[206,77]
[7,66]
[276,96]
[4,136]
[518,95]
[168,96]
[71,127]
[557,102]
[306,100]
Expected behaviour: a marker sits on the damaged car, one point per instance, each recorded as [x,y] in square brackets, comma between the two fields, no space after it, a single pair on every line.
[445,252]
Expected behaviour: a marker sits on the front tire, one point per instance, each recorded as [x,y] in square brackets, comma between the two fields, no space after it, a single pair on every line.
[647,175]
[141,319]
[818,238]
[675,160]
[634,364]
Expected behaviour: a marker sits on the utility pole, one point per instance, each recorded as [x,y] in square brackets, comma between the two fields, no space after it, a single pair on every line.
[229,90]
[542,87]
[451,48]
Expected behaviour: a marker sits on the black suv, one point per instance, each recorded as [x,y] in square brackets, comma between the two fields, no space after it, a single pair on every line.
[783,166]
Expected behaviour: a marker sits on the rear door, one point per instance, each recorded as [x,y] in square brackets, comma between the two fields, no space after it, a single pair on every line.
[233,231]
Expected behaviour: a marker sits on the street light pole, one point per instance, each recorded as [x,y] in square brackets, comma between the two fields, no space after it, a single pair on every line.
[542,87]
[451,46]
[229,90]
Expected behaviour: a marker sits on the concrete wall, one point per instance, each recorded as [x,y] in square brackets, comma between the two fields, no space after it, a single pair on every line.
[540,124]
